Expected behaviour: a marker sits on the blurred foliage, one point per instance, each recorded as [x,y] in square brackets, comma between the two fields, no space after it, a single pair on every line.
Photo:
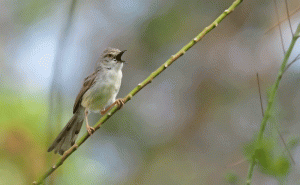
[231,178]
[270,155]
[161,30]
[30,11]
[21,120]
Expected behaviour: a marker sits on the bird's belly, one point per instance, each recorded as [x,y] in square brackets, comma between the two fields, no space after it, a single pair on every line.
[99,96]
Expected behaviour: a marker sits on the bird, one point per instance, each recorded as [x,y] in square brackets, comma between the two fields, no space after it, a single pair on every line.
[98,94]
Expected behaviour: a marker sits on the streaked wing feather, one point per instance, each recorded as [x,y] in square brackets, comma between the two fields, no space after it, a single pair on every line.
[88,83]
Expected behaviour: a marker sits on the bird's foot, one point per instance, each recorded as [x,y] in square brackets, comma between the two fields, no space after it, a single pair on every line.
[90,129]
[104,111]
[119,102]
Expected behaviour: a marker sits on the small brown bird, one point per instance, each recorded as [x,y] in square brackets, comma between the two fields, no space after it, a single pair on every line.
[99,90]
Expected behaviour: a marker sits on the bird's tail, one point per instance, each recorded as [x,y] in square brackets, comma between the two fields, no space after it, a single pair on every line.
[66,138]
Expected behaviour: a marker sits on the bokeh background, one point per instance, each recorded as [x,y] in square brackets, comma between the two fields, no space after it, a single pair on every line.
[194,124]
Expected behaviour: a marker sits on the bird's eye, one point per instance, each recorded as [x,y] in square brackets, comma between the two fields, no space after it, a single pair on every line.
[109,55]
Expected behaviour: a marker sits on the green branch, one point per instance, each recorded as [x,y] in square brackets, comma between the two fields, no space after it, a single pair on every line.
[270,103]
[139,87]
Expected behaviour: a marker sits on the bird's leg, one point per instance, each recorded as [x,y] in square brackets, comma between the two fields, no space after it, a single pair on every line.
[119,102]
[90,129]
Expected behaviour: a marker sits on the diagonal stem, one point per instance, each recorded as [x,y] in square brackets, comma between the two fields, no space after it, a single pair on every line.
[139,87]
[270,104]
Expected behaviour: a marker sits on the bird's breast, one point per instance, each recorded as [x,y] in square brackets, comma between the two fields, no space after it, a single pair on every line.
[103,92]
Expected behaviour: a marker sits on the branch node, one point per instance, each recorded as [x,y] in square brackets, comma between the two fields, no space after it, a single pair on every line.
[75,146]
[34,182]
[140,85]
[216,24]
[195,39]
[54,166]
[227,11]
[166,65]
[109,114]
[129,97]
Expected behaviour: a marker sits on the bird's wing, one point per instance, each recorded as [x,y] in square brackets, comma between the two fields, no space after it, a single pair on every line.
[88,83]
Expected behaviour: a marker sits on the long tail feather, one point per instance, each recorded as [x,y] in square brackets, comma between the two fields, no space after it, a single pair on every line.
[66,138]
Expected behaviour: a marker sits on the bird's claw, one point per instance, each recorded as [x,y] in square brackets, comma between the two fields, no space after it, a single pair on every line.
[90,130]
[120,103]
[103,111]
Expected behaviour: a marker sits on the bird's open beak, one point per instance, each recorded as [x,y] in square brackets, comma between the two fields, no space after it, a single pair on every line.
[118,57]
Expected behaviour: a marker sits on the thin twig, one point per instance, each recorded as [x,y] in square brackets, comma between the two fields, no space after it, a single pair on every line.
[287,149]
[289,65]
[237,163]
[280,32]
[288,15]
[260,98]
[274,26]
[267,114]
[141,86]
